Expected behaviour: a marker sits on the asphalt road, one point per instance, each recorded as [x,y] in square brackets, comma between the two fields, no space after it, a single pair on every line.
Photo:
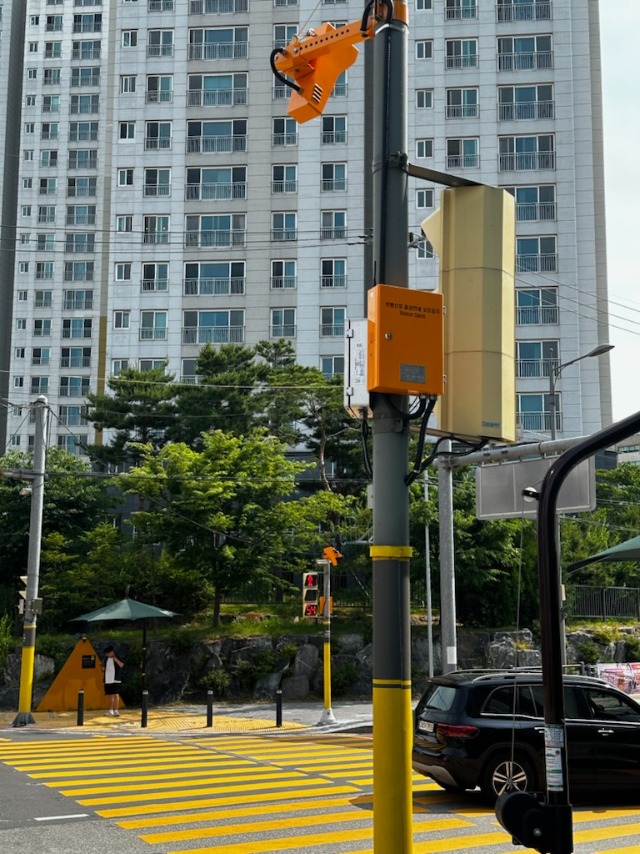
[304,791]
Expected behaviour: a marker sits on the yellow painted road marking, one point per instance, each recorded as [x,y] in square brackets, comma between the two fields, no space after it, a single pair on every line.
[238,812]
[257,773]
[213,765]
[212,790]
[325,819]
[169,761]
[209,770]
[607,833]
[149,809]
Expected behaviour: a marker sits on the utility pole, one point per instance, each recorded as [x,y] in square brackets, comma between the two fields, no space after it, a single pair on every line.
[327,716]
[32,604]
[390,552]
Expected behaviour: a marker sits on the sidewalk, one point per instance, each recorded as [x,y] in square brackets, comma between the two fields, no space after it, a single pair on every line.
[192,720]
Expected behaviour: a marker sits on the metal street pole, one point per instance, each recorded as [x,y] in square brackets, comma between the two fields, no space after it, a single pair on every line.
[448,635]
[427,579]
[32,603]
[390,552]
[327,716]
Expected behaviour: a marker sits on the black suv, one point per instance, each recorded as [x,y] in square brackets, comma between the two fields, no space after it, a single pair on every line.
[477,728]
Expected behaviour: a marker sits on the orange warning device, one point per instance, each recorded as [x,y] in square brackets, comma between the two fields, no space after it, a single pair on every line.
[405,341]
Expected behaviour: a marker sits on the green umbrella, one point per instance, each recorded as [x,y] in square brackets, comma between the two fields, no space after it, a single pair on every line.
[629,550]
[128,610]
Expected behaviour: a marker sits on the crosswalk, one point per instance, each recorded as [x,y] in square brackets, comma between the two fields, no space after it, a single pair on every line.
[253,794]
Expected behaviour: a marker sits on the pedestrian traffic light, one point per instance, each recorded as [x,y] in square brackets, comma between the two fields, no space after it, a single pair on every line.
[331,554]
[310,594]
[22,594]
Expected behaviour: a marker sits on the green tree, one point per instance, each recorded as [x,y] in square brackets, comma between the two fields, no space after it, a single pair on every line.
[225,512]
[141,408]
[74,502]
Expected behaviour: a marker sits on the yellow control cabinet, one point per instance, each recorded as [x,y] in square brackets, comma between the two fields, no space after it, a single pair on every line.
[405,341]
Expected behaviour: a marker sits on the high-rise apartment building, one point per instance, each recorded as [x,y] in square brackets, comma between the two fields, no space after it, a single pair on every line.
[166,200]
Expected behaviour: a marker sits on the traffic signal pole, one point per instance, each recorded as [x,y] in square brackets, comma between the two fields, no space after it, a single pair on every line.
[390,552]
[327,716]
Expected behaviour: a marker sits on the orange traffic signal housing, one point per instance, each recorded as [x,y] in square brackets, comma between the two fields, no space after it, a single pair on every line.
[331,554]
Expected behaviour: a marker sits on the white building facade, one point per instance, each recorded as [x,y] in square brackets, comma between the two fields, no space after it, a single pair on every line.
[166,200]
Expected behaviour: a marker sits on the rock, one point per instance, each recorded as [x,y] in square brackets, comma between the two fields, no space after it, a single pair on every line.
[306,661]
[295,688]
[267,686]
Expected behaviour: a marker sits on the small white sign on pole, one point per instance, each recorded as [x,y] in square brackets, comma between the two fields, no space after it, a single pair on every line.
[499,488]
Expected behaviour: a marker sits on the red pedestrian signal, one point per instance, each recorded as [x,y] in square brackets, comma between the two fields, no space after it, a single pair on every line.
[310,594]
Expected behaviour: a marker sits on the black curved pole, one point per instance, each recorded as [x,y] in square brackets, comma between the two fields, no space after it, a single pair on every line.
[557,796]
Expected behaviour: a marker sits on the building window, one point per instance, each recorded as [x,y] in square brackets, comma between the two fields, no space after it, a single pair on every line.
[423,5]
[333,273]
[83,158]
[155,229]
[217,90]
[334,129]
[523,10]
[123,271]
[284,178]
[125,177]
[536,358]
[52,50]
[283,34]
[72,416]
[78,300]
[283,323]
[331,365]
[283,274]
[44,270]
[424,148]
[524,153]
[129,38]
[209,278]
[219,43]
[42,299]
[157,136]
[332,322]
[524,53]
[127,84]
[333,225]
[42,327]
[525,102]
[78,271]
[45,242]
[533,412]
[536,254]
[217,136]
[159,89]
[83,131]
[153,325]
[23,267]
[220,230]
[53,24]
[87,23]
[220,183]
[76,327]
[51,104]
[127,131]
[536,306]
[81,215]
[81,187]
[160,43]
[534,204]
[462,104]
[74,387]
[284,225]
[84,104]
[118,366]
[424,49]
[285,132]
[39,385]
[213,327]
[51,77]
[155,277]
[425,251]
[334,177]
[49,130]
[460,10]
[86,50]
[75,357]
[461,53]
[424,198]
[124,224]
[121,319]
[463,153]
[40,356]
[424,99]
[85,76]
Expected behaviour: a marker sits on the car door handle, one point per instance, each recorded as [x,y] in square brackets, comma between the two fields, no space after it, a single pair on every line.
[605,732]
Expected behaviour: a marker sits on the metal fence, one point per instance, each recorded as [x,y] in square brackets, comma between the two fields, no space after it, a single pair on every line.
[603,603]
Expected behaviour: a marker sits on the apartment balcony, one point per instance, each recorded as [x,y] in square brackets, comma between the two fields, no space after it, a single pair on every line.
[155,143]
[537,315]
[220,191]
[215,144]
[216,97]
[463,161]
[213,334]
[155,190]
[333,185]
[159,50]
[332,330]
[529,61]
[538,422]
[534,368]
[470,61]
[83,53]
[534,11]
[536,263]
[279,283]
[526,110]
[280,235]
[236,237]
[75,361]
[284,139]
[161,5]
[41,361]
[159,97]
[543,211]
[218,7]
[462,111]
[231,50]
[154,285]
[214,287]
[153,333]
[333,282]
[283,330]
[526,161]
[460,12]
[284,186]
[334,137]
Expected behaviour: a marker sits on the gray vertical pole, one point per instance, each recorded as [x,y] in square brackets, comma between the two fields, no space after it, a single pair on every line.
[427,579]
[448,640]
[392,720]
[327,716]
[31,606]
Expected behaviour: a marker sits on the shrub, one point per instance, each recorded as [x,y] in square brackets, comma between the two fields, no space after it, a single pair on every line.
[217,681]
[7,641]
[344,675]
[632,648]
[589,652]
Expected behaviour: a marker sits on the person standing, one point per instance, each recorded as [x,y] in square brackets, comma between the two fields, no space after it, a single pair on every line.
[112,681]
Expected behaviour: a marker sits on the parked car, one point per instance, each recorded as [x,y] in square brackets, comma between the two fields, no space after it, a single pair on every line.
[486,729]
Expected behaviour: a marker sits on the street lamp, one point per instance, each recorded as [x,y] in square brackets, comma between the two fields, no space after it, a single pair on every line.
[556,370]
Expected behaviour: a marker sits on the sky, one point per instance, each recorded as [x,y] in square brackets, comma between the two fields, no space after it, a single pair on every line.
[619,29]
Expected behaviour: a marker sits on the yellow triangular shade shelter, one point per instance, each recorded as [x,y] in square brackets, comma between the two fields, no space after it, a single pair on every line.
[82,670]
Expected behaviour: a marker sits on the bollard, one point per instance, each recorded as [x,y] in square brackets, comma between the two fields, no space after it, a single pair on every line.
[80,721]
[278,707]
[145,709]
[209,708]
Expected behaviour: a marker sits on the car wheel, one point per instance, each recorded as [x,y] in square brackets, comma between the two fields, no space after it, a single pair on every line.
[504,773]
